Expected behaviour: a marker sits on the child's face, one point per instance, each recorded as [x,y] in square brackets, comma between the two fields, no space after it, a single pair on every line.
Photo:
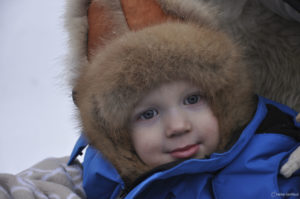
[174,122]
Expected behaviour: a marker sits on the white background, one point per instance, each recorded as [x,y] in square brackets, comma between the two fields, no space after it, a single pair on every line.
[37,116]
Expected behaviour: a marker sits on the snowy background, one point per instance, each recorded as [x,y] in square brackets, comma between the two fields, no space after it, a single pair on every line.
[36,110]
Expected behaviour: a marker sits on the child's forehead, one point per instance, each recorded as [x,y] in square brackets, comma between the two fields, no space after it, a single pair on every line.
[173,86]
[168,89]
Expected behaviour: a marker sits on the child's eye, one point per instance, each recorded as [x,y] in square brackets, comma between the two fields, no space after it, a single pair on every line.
[149,114]
[192,99]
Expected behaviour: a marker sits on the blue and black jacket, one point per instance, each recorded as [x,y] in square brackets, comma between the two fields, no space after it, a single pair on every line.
[248,170]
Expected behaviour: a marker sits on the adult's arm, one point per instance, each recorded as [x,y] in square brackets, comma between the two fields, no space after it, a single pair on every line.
[50,178]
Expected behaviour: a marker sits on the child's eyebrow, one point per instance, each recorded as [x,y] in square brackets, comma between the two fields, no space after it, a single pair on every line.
[146,102]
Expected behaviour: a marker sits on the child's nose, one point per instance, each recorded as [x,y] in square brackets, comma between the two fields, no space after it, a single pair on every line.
[177,124]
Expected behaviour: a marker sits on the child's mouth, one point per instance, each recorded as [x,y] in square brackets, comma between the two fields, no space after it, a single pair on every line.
[185,152]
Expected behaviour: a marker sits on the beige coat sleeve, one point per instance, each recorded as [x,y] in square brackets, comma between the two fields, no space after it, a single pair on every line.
[51,178]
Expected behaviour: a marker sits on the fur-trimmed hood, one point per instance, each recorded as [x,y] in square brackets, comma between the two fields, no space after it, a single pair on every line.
[125,70]
[101,41]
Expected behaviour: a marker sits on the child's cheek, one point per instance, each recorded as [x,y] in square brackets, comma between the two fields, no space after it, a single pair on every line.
[147,141]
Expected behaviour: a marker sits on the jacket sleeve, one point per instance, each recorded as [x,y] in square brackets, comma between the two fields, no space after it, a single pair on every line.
[51,178]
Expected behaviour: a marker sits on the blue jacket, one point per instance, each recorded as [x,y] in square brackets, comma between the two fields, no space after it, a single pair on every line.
[250,169]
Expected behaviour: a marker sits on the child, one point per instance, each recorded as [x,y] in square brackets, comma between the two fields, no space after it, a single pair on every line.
[171,108]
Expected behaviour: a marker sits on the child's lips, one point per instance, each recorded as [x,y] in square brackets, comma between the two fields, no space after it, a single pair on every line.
[185,152]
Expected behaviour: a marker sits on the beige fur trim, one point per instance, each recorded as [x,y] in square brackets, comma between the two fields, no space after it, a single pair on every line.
[77,27]
[190,10]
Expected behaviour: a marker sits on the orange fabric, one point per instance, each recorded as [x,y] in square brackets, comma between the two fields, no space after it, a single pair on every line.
[138,13]
[143,13]
[99,23]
